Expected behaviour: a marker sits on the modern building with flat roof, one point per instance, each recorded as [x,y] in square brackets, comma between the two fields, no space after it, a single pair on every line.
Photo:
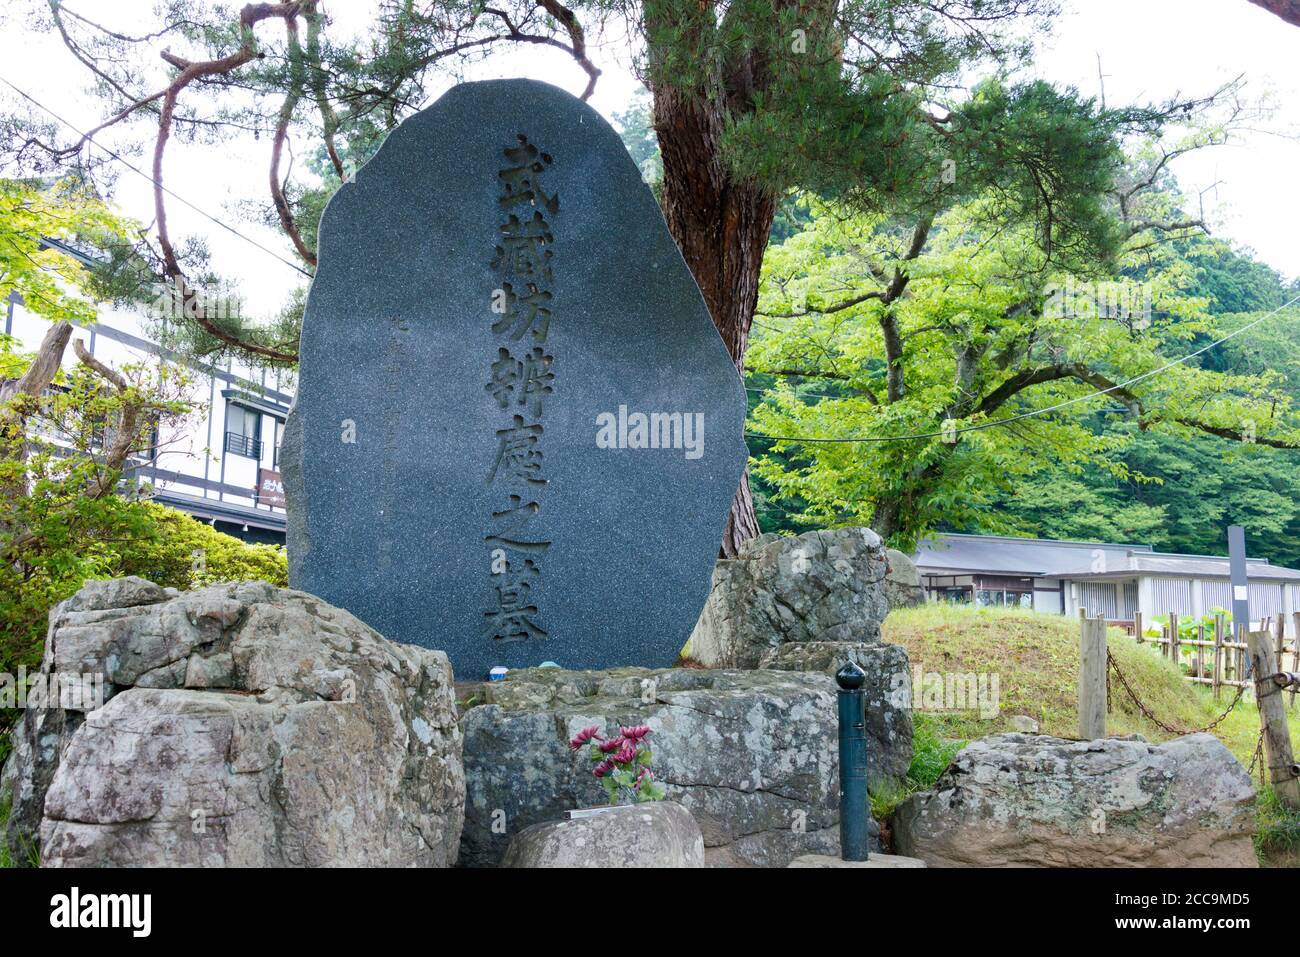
[1111,580]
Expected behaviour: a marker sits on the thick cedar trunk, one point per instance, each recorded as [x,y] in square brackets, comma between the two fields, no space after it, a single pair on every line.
[721,227]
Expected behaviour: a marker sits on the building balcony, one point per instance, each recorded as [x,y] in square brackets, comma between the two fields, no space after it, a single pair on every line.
[244,445]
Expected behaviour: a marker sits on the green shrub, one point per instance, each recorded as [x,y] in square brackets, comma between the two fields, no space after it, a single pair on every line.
[1277,833]
[185,553]
[931,754]
[161,544]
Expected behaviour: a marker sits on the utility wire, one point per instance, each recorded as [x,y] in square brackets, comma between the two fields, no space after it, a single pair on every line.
[169,192]
[753,435]
[1035,412]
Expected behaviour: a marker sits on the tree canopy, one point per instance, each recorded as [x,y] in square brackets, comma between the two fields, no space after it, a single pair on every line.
[936,344]
[894,111]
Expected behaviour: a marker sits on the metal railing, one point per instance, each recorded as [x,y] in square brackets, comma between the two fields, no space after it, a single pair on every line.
[244,445]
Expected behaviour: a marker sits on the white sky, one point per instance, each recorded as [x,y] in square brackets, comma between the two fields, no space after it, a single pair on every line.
[1149,49]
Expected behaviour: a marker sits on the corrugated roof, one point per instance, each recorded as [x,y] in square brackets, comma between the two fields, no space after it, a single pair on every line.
[1187,566]
[1003,555]
[1047,558]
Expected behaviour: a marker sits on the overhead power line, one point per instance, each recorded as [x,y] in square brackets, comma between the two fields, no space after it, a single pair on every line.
[754,435]
[1035,412]
[135,169]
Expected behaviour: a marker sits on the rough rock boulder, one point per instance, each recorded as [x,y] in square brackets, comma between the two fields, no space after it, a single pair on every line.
[661,834]
[244,725]
[903,583]
[888,690]
[752,754]
[1016,800]
[819,586]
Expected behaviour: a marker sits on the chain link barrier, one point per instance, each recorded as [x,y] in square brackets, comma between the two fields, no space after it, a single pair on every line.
[1114,666]
[1255,759]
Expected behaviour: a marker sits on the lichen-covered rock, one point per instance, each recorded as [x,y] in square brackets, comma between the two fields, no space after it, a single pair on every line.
[1015,800]
[752,754]
[636,835]
[888,693]
[244,725]
[903,583]
[819,586]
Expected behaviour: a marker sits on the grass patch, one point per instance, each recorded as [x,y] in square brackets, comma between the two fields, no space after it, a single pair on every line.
[1035,658]
[6,857]
[931,753]
[1277,834]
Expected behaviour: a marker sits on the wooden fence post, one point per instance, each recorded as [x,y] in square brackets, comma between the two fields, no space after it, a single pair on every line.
[1295,650]
[1173,636]
[1282,769]
[1239,669]
[1137,626]
[1218,656]
[1092,677]
[1279,639]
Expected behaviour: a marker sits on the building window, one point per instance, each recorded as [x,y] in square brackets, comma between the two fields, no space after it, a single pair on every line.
[243,431]
[1003,598]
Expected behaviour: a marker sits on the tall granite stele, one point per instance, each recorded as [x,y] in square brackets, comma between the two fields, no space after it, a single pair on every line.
[517,432]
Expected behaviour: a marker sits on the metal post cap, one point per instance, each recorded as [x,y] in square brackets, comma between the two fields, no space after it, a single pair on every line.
[850,677]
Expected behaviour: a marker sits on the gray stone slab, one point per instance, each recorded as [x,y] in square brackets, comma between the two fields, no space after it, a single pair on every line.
[398,494]
[874,862]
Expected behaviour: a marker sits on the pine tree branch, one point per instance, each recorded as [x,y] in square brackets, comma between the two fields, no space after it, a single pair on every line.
[189,72]
[297,83]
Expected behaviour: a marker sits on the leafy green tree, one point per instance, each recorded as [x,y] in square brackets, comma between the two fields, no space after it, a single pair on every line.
[63,448]
[1235,282]
[940,330]
[67,436]
[636,127]
[52,284]
[1176,494]
[862,102]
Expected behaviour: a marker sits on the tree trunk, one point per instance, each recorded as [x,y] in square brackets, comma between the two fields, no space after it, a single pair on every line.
[885,518]
[26,391]
[721,227]
[21,397]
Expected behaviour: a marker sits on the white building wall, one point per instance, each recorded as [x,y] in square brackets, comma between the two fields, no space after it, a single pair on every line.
[191,460]
[1047,601]
[1172,595]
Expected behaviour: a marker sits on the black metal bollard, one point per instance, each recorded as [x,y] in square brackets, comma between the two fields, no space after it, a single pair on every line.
[853,763]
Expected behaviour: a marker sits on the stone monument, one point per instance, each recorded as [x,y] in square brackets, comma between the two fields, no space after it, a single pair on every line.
[517,432]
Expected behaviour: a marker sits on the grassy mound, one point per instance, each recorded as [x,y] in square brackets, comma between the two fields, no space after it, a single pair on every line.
[1035,660]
